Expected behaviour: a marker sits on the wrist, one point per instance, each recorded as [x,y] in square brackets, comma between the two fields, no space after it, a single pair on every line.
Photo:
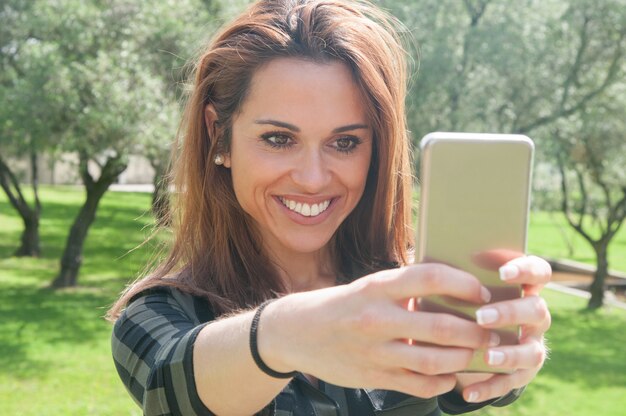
[274,336]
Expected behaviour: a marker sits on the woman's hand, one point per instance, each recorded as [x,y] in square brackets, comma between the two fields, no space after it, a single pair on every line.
[356,335]
[531,312]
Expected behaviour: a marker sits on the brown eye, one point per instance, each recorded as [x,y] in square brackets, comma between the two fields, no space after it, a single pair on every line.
[277,139]
[347,144]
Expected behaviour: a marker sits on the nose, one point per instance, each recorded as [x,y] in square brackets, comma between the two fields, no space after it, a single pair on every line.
[311,172]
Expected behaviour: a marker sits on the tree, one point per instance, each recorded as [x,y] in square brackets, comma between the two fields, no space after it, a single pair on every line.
[591,153]
[125,102]
[519,67]
[34,121]
[582,124]
[117,98]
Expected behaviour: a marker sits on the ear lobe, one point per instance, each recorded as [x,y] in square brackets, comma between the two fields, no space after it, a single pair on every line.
[226,160]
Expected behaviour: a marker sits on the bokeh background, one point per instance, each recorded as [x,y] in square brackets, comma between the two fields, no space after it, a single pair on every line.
[90,100]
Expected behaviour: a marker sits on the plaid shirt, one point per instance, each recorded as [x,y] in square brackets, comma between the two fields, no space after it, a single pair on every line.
[152,348]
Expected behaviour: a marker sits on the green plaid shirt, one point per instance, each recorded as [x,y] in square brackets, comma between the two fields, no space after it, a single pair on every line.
[152,348]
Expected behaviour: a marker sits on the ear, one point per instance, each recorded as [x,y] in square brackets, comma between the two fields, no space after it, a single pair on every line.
[226,160]
[210,119]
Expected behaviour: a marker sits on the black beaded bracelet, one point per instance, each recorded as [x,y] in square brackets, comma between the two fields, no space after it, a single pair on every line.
[254,349]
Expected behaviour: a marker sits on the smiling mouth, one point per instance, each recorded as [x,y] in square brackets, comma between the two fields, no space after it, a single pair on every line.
[307,210]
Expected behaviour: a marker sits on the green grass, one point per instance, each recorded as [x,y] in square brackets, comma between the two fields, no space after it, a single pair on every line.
[550,235]
[55,357]
[54,345]
[586,372]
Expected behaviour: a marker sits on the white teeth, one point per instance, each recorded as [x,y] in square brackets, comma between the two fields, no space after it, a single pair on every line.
[307,210]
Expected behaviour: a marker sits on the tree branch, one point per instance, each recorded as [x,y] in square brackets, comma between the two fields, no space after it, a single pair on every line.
[456,87]
[565,205]
[563,112]
[11,186]
[584,197]
[476,12]
[34,176]
[595,166]
[572,77]
[618,215]
[83,169]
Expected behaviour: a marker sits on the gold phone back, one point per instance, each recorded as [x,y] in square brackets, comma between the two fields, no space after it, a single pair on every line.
[474,198]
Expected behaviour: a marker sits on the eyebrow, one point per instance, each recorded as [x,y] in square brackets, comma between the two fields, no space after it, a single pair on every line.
[292,127]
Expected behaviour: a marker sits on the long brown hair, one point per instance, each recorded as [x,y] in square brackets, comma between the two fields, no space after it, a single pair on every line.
[216,252]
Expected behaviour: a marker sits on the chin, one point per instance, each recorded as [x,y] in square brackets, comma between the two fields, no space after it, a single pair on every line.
[306,245]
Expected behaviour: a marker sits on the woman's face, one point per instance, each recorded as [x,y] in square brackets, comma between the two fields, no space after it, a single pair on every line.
[300,152]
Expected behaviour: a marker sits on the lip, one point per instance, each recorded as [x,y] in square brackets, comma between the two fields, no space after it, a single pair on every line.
[301,219]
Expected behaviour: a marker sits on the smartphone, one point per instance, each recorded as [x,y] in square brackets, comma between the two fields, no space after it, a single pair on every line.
[474,198]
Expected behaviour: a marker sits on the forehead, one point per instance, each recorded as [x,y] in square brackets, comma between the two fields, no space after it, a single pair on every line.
[298,90]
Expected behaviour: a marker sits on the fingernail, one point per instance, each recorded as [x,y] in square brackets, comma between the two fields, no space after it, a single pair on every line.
[494,339]
[485,294]
[487,316]
[508,272]
[495,357]
[473,397]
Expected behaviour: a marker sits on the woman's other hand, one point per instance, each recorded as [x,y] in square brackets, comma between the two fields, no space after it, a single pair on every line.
[530,312]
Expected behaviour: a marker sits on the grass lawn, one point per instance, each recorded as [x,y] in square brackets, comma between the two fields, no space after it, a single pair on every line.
[54,345]
[549,235]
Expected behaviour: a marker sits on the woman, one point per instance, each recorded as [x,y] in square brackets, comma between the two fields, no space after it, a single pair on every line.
[293,184]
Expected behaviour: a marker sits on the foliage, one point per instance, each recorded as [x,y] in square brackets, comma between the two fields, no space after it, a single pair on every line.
[551,69]
[98,79]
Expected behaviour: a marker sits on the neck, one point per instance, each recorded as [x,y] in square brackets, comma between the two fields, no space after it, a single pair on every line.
[302,272]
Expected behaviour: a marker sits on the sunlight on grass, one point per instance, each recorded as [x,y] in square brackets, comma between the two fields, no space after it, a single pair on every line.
[55,356]
[586,372]
[549,235]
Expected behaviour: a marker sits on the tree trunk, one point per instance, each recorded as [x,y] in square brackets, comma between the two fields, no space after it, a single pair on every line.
[73,254]
[597,286]
[30,244]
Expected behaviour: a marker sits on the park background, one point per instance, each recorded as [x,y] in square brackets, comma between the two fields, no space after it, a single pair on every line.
[87,88]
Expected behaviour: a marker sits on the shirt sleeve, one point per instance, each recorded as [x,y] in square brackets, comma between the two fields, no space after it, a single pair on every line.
[453,403]
[152,345]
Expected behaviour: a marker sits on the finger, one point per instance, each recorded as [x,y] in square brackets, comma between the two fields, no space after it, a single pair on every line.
[497,386]
[395,322]
[429,279]
[529,354]
[529,270]
[446,330]
[530,310]
[494,259]
[419,385]
[532,290]
[427,360]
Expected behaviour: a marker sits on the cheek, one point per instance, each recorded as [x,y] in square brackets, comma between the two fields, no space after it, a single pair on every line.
[360,170]
[254,174]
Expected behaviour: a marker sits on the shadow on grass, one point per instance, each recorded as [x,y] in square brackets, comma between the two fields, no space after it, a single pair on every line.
[36,321]
[35,317]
